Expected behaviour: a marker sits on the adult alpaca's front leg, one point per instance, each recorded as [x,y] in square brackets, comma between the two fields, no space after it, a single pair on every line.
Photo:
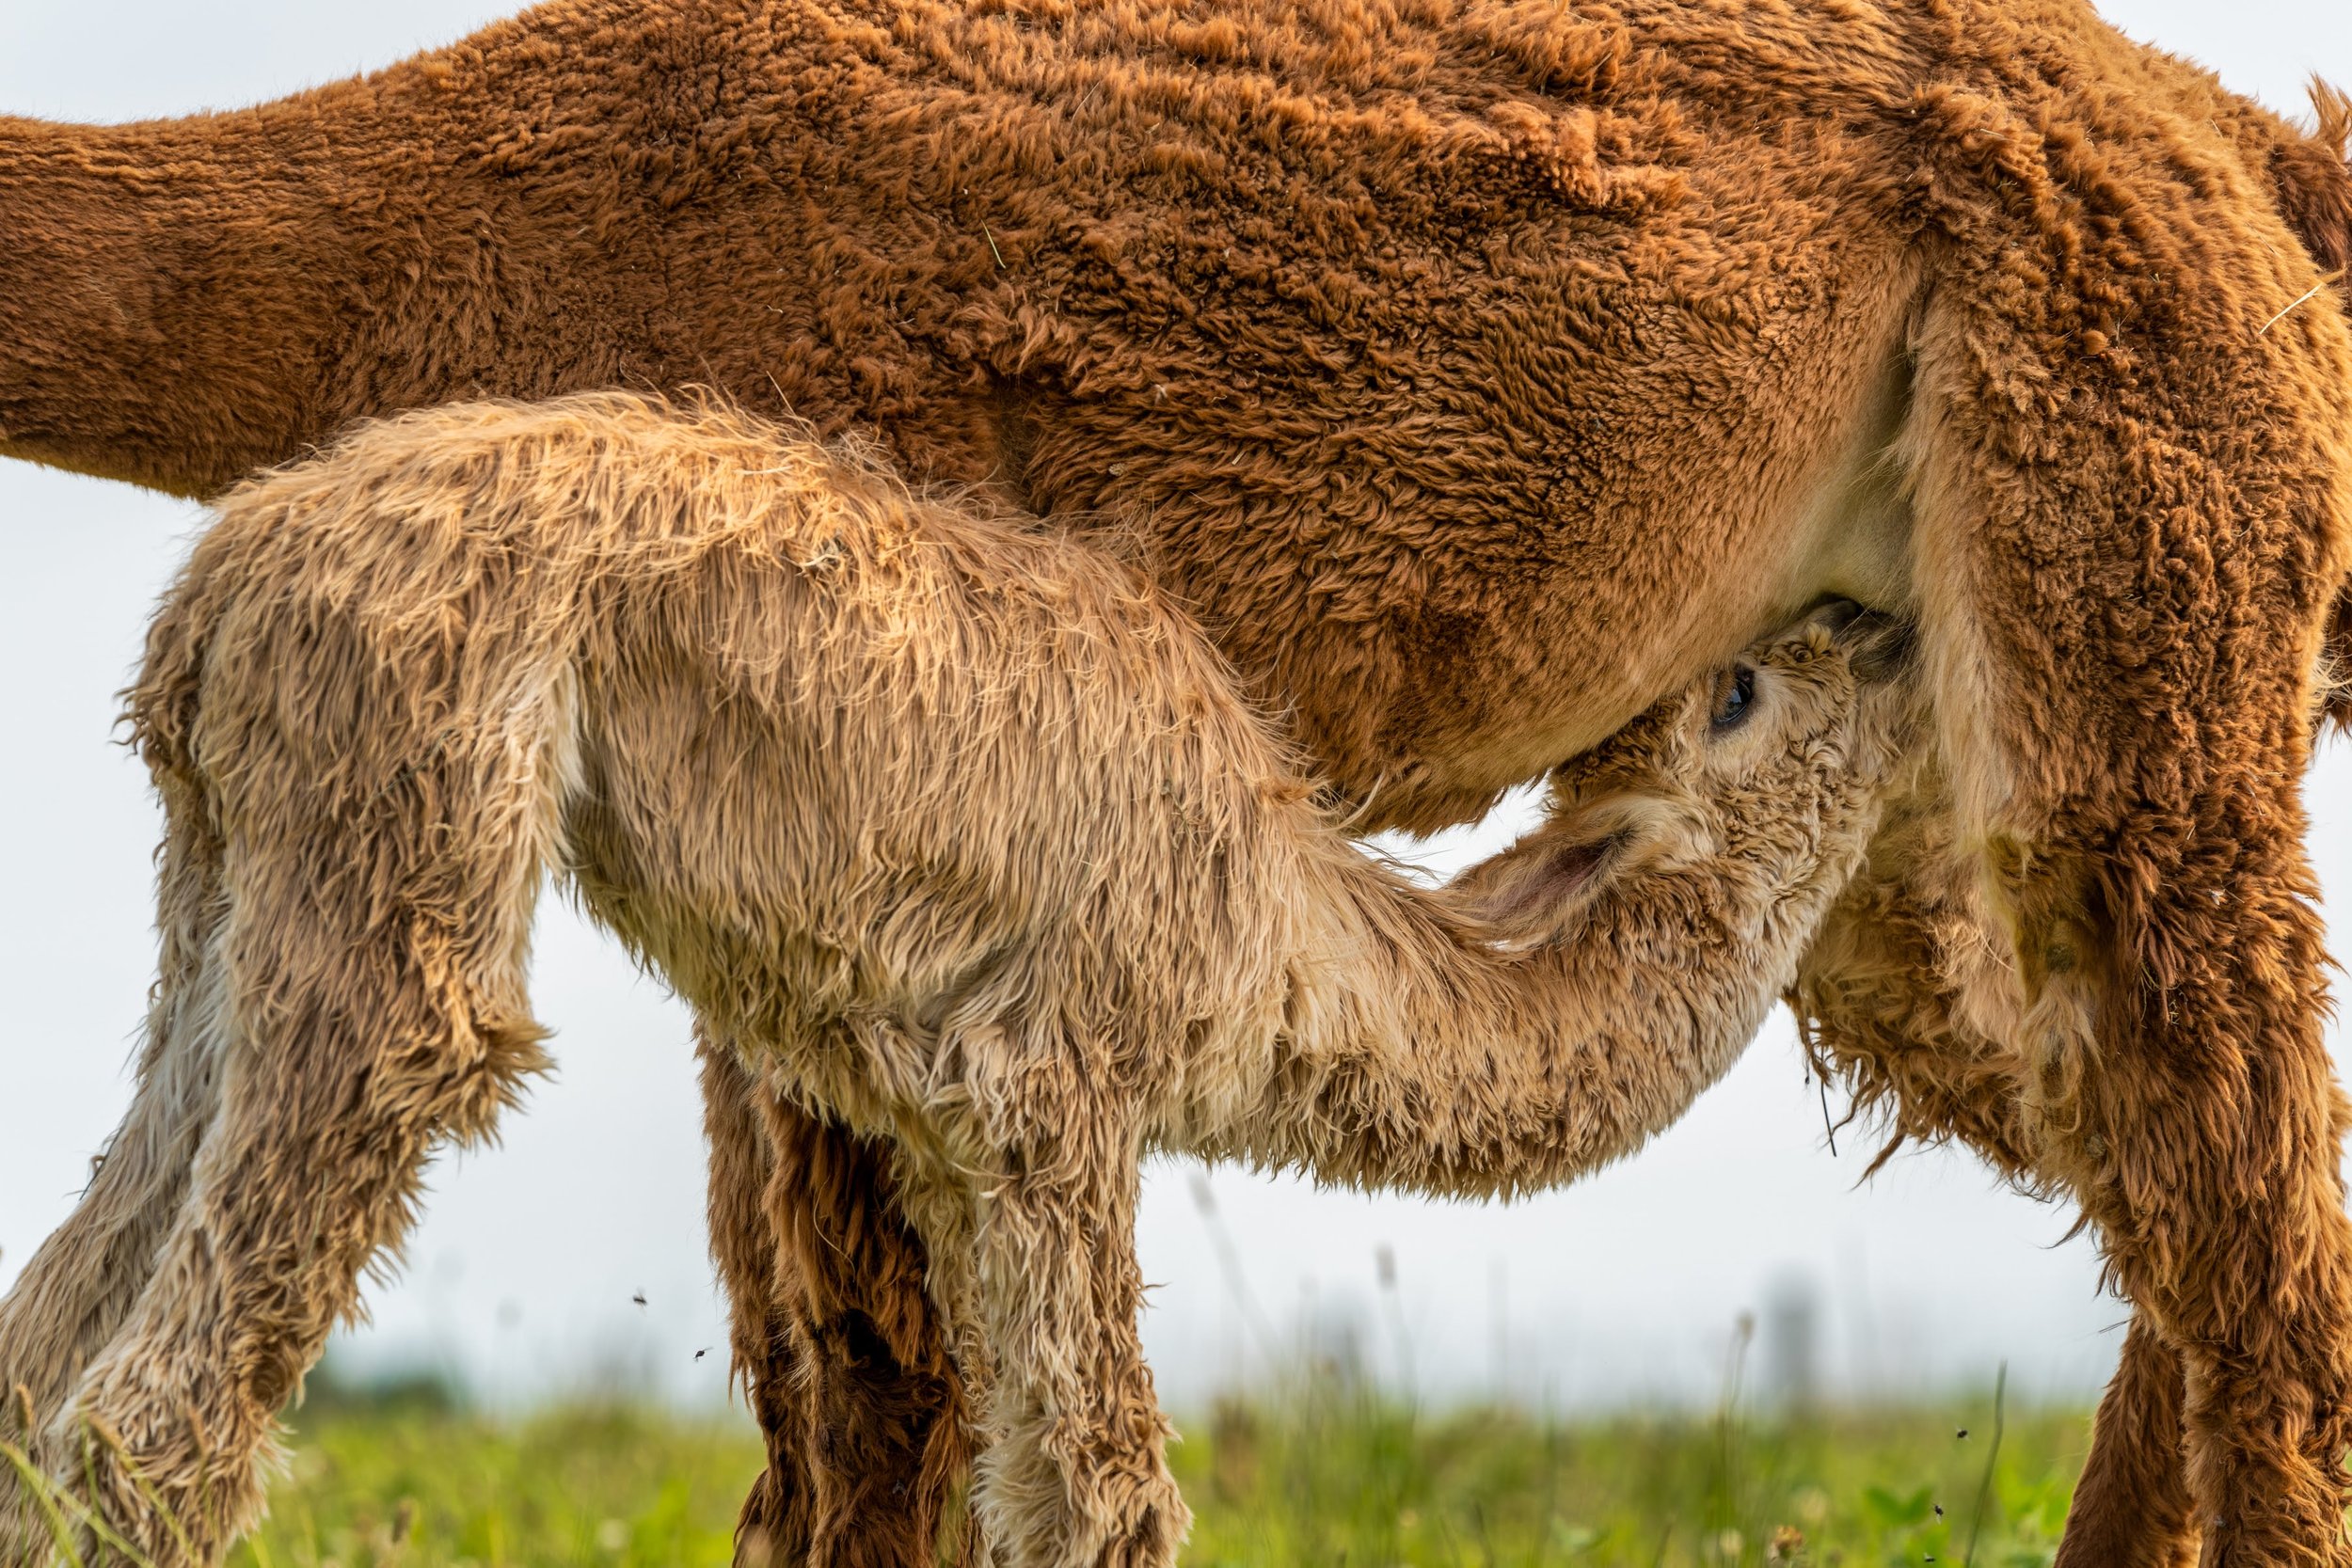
[1880,996]
[774,1525]
[2131,557]
[832,1341]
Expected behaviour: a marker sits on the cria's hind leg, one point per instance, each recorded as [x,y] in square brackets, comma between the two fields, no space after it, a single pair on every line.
[77,1290]
[377,923]
[351,1059]
[1075,1473]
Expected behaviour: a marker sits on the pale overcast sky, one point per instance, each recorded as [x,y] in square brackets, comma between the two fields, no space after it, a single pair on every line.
[522,1274]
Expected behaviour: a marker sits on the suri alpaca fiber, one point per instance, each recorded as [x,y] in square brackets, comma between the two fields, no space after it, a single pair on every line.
[1477,372]
[950,828]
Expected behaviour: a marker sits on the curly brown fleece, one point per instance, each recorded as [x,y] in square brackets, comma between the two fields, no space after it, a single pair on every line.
[946,826]
[1479,371]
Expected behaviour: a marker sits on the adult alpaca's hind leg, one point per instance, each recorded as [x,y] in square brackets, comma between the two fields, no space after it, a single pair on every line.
[374,942]
[2178,1085]
[842,1358]
[2213,1182]
[77,1290]
[773,1526]
[2130,557]
[2133,1503]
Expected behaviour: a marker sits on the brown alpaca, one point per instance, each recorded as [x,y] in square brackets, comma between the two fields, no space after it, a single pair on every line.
[947,826]
[1478,370]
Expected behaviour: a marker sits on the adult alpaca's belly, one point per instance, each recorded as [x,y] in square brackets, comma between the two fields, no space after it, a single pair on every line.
[1469,536]
[1483,667]
[1845,533]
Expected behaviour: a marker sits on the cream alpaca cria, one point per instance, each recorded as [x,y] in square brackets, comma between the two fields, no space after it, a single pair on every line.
[946,825]
[1480,371]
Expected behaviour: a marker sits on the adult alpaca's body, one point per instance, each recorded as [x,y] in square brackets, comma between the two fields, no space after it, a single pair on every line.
[1480,371]
[945,824]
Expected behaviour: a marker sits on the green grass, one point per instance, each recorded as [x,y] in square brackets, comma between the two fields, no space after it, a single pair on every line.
[1326,1479]
[428,1489]
[1344,1483]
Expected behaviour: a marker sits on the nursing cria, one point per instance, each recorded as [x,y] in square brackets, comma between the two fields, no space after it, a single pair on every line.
[947,826]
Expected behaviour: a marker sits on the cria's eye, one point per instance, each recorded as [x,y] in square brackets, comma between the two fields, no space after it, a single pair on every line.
[1735,698]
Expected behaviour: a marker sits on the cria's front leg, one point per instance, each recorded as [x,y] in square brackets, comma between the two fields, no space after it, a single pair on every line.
[1075,1474]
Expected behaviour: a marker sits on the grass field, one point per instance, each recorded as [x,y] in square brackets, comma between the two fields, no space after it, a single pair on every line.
[1327,1478]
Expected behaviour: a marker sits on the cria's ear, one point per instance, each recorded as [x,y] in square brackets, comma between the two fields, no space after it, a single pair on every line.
[1878,647]
[1535,892]
[1878,644]
[1834,615]
[1526,897]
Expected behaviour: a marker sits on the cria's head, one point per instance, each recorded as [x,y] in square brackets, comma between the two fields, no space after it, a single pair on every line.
[1753,761]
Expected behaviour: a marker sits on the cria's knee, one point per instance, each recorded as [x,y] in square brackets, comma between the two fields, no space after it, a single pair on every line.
[486,1079]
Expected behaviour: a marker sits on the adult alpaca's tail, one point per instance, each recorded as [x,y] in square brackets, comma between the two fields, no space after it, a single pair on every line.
[2314,178]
